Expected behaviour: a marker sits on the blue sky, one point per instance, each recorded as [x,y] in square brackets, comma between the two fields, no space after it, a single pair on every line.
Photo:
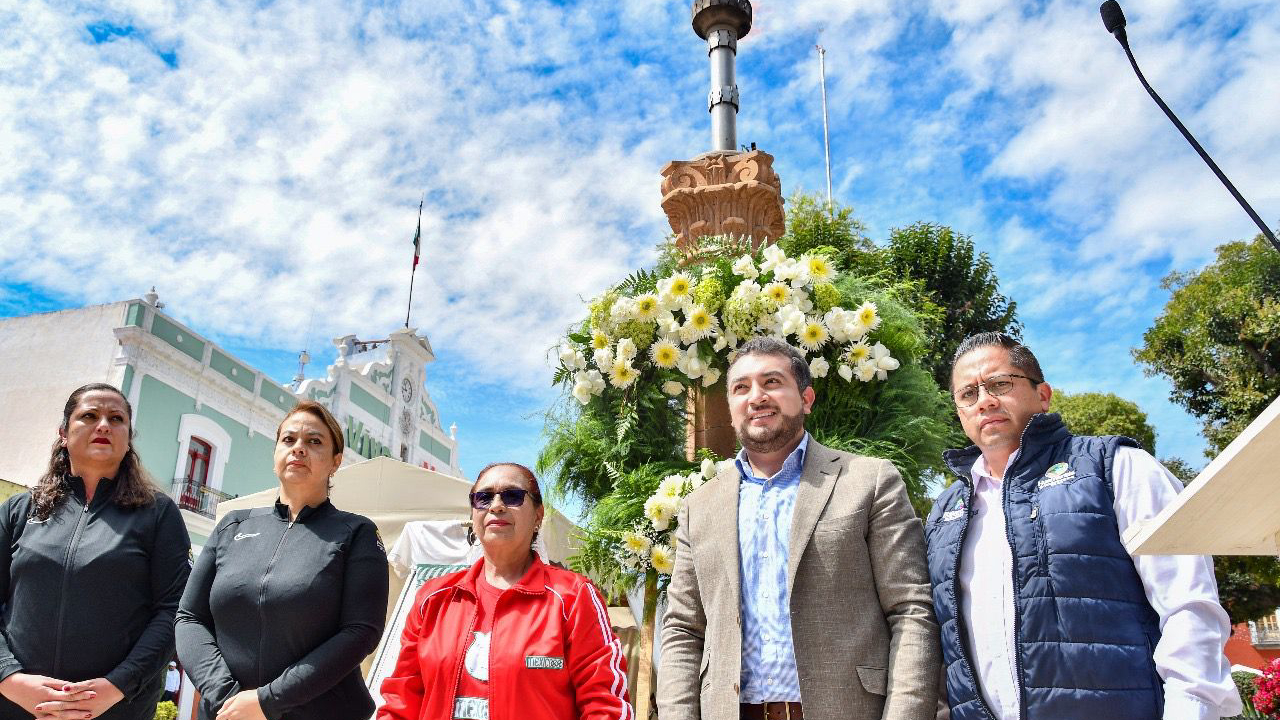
[261,164]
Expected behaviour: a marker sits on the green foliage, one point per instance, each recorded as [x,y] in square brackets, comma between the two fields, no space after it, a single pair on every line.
[1093,413]
[1218,339]
[166,710]
[1246,685]
[589,448]
[958,289]
[839,235]
[610,517]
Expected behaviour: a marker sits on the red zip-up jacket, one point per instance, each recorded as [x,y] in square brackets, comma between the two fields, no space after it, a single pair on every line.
[553,654]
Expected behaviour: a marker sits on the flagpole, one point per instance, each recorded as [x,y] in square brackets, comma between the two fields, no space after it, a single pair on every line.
[417,244]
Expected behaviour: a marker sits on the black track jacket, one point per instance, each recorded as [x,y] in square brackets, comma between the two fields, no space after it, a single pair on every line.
[91,592]
[288,608]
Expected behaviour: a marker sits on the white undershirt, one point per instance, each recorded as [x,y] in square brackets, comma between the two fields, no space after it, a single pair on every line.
[1181,589]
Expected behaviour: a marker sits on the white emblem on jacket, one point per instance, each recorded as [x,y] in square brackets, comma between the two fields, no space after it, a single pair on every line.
[477,662]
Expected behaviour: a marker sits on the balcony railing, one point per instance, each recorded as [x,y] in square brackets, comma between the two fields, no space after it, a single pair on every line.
[197,497]
[1266,636]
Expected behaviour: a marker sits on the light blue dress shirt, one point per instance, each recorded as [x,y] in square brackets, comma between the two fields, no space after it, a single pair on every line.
[765,507]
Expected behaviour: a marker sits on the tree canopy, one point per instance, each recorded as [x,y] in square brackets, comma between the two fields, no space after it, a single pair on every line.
[1218,339]
[1092,413]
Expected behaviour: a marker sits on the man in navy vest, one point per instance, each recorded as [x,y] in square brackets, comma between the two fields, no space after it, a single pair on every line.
[1043,613]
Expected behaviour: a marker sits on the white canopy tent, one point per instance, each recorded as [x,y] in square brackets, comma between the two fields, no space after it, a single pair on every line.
[1231,508]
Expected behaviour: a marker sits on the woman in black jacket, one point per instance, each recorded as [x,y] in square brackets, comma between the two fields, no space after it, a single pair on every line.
[92,563]
[284,602]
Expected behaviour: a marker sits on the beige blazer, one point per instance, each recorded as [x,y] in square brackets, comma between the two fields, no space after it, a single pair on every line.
[866,641]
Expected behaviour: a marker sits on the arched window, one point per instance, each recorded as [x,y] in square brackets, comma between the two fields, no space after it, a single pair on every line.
[199,452]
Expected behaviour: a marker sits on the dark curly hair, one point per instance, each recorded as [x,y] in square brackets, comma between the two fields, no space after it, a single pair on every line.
[133,487]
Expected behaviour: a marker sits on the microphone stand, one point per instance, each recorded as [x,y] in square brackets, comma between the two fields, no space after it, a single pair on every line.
[1123,39]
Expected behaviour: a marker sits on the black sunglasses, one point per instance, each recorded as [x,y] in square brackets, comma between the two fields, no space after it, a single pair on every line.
[511,497]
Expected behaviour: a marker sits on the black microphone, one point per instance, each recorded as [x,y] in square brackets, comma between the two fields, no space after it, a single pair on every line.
[1113,20]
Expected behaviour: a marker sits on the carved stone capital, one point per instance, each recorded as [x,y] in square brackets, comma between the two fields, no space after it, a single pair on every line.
[723,193]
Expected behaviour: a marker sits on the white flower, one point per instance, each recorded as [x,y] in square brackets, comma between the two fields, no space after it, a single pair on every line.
[813,335]
[819,269]
[868,316]
[647,307]
[660,510]
[663,559]
[622,374]
[700,323]
[818,367]
[623,309]
[571,358]
[599,340]
[865,370]
[637,543]
[708,468]
[596,379]
[800,299]
[603,358]
[884,362]
[858,352]
[586,384]
[664,354]
[837,321]
[673,388]
[778,293]
[691,365]
[745,267]
[790,320]
[746,291]
[626,350]
[845,372]
[672,486]
[792,272]
[582,392]
[773,256]
[676,287]
[710,376]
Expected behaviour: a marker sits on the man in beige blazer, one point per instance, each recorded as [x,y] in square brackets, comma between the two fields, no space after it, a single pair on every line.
[834,620]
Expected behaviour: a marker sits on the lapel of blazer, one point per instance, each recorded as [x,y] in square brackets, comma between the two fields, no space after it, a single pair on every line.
[817,480]
[720,511]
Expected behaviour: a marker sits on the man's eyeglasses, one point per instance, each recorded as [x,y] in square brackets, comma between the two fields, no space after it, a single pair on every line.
[511,497]
[996,385]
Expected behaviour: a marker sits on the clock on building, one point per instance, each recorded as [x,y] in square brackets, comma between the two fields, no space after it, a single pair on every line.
[406,389]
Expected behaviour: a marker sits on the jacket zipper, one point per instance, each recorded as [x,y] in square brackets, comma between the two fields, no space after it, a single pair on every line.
[66,578]
[959,619]
[1042,542]
[262,600]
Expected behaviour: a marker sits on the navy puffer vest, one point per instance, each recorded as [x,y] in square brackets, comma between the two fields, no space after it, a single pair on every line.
[1085,631]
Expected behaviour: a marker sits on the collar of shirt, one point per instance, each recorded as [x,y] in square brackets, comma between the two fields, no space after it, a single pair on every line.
[981,472]
[789,472]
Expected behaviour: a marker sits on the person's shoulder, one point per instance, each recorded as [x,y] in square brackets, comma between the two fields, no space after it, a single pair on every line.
[431,586]
[234,518]
[354,522]
[853,461]
[18,502]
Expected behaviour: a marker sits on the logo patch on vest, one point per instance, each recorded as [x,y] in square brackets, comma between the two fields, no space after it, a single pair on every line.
[1057,475]
[955,514]
[543,662]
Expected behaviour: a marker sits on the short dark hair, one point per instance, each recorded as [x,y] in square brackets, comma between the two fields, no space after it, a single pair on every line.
[766,345]
[1020,356]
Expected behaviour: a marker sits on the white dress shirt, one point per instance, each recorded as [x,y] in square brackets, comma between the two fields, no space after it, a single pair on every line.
[1181,588]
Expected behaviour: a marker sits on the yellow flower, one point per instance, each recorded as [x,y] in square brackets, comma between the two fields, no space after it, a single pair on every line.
[867,316]
[599,340]
[647,307]
[636,543]
[679,285]
[700,319]
[777,292]
[622,374]
[663,559]
[819,269]
[813,335]
[858,352]
[664,354]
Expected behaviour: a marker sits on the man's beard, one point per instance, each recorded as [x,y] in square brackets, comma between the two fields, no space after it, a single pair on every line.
[765,440]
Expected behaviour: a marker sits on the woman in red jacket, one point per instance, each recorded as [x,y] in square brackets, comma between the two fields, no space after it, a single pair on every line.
[511,637]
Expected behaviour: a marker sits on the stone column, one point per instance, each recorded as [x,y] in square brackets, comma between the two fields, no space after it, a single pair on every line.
[722,192]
